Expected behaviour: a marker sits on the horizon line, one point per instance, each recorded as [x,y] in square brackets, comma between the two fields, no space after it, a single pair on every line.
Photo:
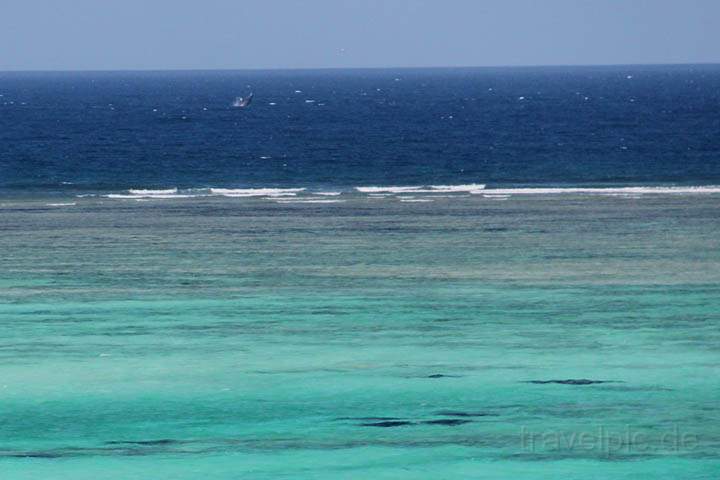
[426,67]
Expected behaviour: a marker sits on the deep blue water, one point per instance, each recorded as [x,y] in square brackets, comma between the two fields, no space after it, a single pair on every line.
[629,125]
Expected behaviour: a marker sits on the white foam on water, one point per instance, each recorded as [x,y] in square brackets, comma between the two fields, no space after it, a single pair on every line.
[140,191]
[135,193]
[68,204]
[387,189]
[121,196]
[409,192]
[602,190]
[622,195]
[256,192]
[416,200]
[159,196]
[472,187]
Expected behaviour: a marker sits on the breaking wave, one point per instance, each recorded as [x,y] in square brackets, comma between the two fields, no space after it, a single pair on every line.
[473,187]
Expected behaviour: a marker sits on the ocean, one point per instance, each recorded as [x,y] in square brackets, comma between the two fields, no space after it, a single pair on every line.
[506,273]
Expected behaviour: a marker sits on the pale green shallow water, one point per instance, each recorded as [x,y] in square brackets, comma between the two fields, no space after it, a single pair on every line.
[240,338]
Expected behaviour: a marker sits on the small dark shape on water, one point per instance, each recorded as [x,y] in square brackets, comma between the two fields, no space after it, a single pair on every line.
[577,381]
[241,102]
[447,421]
[387,424]
[35,455]
[440,375]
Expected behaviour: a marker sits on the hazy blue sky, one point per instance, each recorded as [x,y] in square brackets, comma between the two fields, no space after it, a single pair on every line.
[161,34]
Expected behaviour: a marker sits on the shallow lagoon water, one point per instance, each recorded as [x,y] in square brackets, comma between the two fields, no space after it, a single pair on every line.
[246,337]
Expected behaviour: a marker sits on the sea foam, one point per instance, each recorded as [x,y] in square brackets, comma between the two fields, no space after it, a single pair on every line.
[142,191]
[135,193]
[256,192]
[159,196]
[471,187]
[601,190]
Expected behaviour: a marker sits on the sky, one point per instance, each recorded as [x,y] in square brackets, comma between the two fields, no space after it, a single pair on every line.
[238,34]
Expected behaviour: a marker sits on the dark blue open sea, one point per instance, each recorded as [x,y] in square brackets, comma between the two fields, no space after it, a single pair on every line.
[64,132]
[502,273]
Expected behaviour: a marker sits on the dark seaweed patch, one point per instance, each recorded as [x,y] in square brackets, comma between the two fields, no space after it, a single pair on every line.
[387,424]
[447,421]
[34,455]
[572,381]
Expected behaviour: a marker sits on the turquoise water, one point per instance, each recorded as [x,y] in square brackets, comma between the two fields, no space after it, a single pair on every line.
[370,338]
